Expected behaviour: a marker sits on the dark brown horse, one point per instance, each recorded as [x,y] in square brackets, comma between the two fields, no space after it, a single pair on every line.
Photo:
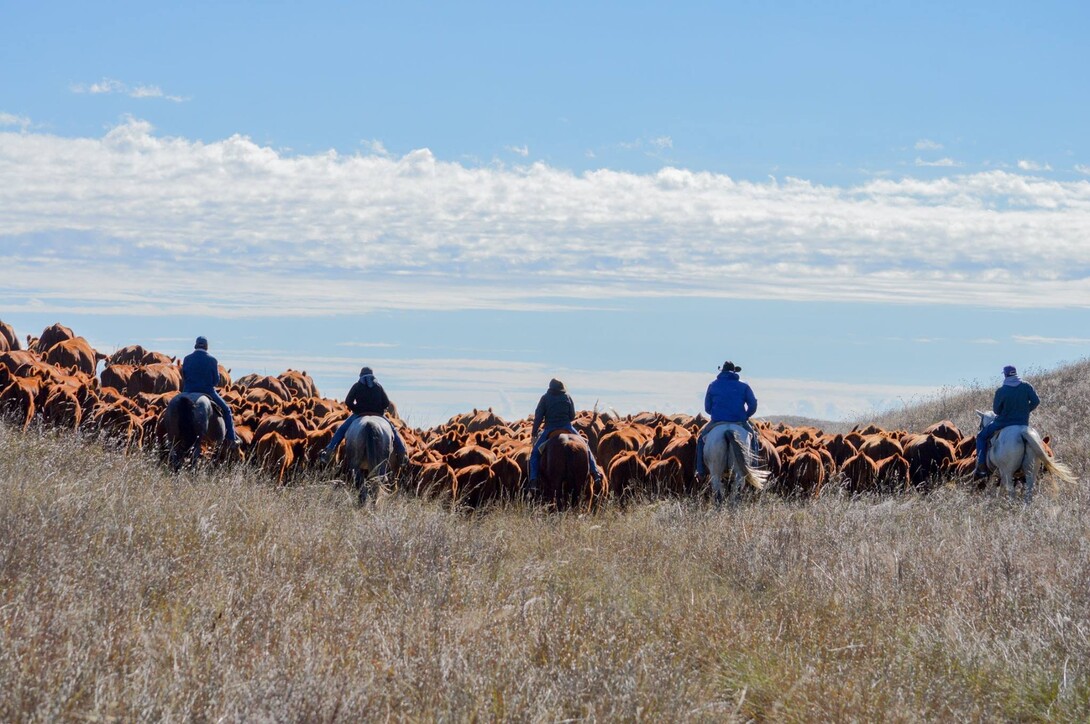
[566,474]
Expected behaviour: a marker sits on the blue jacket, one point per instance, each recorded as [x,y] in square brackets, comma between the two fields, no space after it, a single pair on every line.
[1013,403]
[729,399]
[200,372]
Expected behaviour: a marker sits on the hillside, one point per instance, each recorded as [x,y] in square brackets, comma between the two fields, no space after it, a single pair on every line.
[127,593]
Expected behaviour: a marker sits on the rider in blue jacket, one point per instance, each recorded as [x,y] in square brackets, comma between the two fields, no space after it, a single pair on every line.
[1012,403]
[201,374]
[728,399]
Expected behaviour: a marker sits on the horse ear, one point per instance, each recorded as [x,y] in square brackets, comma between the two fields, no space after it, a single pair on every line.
[1046,439]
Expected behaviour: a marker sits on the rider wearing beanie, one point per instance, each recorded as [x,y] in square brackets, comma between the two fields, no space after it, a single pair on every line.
[556,411]
[366,397]
[1013,402]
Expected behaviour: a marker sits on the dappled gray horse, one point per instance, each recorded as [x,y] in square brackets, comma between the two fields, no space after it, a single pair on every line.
[727,450]
[1019,447]
[368,449]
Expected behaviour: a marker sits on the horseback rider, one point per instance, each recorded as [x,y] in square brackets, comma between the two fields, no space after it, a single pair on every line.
[365,398]
[556,411]
[1013,402]
[200,375]
[728,399]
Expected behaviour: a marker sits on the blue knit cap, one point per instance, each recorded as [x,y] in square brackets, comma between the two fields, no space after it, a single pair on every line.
[1009,371]
[201,343]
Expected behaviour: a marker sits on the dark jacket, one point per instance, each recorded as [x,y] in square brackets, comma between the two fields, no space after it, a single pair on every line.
[367,398]
[728,399]
[1013,403]
[555,409]
[200,372]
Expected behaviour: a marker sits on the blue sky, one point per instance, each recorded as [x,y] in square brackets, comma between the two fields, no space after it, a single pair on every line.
[860,202]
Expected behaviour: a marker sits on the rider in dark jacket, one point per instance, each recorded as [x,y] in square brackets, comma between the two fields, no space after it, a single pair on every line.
[728,399]
[367,397]
[1012,403]
[200,375]
[556,411]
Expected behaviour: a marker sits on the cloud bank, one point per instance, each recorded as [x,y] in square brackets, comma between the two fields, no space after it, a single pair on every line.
[108,86]
[135,222]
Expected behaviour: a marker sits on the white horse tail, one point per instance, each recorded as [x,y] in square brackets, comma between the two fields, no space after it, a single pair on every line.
[1061,471]
[741,462]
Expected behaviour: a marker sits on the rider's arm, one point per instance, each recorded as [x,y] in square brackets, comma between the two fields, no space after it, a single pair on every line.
[350,398]
[539,416]
[751,402]
[1034,400]
[708,400]
[997,402]
[571,409]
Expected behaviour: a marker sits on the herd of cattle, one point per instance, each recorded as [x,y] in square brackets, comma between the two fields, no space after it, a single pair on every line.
[476,457]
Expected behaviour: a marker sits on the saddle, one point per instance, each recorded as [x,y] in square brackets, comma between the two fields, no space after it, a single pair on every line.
[552,436]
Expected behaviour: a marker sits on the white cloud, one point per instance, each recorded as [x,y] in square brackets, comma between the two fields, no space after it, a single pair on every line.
[105,224]
[376,345]
[520,150]
[1083,169]
[1034,339]
[1027,165]
[111,85]
[10,119]
[940,163]
[429,391]
[662,142]
[926,144]
[376,147]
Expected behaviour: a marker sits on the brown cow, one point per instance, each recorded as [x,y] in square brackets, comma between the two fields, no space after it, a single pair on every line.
[860,474]
[667,476]
[946,430]
[8,340]
[893,474]
[470,455]
[275,454]
[839,448]
[298,384]
[879,447]
[433,479]
[117,376]
[475,485]
[50,336]
[804,473]
[20,398]
[627,472]
[928,457]
[75,352]
[156,379]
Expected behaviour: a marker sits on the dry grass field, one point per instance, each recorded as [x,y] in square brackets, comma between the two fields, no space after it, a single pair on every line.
[129,594]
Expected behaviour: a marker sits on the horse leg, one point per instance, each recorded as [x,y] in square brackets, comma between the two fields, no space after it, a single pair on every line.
[361,486]
[1031,480]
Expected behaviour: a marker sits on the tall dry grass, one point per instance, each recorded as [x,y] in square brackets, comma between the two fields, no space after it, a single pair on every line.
[129,594]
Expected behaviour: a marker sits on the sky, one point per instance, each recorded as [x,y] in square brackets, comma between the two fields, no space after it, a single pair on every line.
[862,204]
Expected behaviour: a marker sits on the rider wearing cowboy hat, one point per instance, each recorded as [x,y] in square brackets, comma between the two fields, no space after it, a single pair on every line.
[728,399]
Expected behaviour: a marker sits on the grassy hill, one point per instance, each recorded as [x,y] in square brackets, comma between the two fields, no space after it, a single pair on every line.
[127,593]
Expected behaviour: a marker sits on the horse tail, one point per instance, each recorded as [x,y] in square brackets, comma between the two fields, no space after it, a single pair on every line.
[741,462]
[185,419]
[1061,471]
[372,437]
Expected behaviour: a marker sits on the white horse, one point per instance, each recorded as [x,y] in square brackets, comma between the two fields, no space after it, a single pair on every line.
[727,449]
[368,447]
[1019,447]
